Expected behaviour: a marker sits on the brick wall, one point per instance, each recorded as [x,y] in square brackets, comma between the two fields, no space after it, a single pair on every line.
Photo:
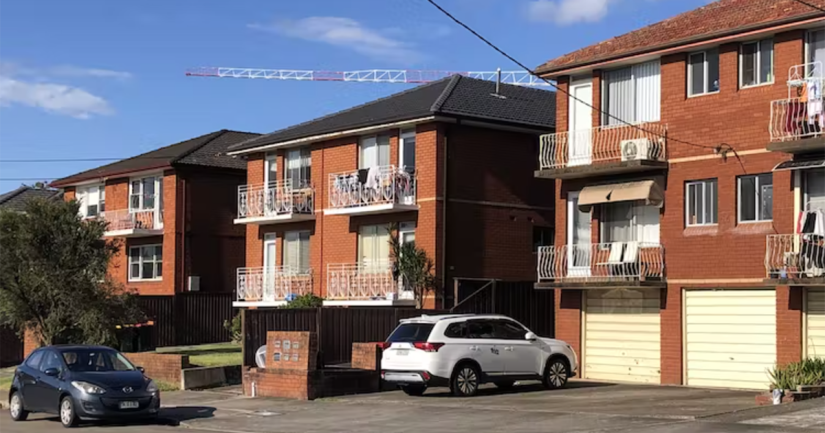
[161,366]
[366,356]
[30,342]
[789,304]
[282,348]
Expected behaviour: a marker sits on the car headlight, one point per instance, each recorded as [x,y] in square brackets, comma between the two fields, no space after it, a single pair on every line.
[151,387]
[88,388]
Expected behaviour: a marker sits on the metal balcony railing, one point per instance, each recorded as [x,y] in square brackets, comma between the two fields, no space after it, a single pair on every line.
[644,141]
[270,284]
[386,184]
[130,219]
[363,281]
[275,198]
[795,256]
[606,262]
[800,114]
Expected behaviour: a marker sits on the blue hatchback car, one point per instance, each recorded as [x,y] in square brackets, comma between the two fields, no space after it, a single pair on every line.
[82,382]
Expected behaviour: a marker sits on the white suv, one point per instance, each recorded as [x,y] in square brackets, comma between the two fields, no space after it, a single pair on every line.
[466,350]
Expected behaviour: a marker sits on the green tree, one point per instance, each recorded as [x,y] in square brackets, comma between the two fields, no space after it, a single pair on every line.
[53,276]
[414,267]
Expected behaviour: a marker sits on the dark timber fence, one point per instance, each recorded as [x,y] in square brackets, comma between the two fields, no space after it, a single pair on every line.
[11,348]
[337,328]
[516,299]
[188,318]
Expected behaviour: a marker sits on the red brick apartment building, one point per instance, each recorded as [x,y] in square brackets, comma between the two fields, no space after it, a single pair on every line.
[687,250]
[448,164]
[172,208]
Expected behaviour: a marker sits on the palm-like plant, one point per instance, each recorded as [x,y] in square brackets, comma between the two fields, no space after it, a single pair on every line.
[412,266]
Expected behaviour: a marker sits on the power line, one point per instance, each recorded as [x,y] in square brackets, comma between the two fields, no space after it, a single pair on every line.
[26,179]
[717,148]
[810,5]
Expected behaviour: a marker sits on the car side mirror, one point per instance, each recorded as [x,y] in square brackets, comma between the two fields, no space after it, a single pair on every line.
[140,369]
[53,372]
[530,336]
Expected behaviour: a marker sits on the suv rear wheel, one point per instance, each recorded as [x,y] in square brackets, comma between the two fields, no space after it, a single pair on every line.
[414,390]
[466,380]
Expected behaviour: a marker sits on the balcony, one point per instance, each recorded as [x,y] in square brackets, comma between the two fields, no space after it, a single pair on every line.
[375,190]
[603,151]
[129,223]
[795,259]
[364,284]
[606,265]
[270,286]
[798,122]
[275,202]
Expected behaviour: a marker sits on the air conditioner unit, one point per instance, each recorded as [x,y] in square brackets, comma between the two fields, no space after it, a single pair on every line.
[637,149]
[193,284]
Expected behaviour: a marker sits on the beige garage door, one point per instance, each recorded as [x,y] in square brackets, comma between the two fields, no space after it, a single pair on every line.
[815,323]
[622,335]
[730,338]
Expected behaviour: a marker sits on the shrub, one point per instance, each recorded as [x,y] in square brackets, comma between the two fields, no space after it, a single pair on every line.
[810,371]
[305,301]
[235,328]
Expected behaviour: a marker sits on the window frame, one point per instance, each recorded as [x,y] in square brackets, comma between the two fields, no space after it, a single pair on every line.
[157,264]
[705,83]
[379,231]
[406,137]
[758,67]
[704,183]
[808,54]
[285,250]
[304,166]
[636,210]
[757,199]
[83,194]
[270,162]
[158,185]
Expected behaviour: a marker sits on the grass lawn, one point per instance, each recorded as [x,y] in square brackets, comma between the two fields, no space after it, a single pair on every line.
[6,376]
[208,355]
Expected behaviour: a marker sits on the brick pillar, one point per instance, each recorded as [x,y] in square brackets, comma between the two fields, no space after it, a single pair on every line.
[568,318]
[671,336]
[30,342]
[788,324]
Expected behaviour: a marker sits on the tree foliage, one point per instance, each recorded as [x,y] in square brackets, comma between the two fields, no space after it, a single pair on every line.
[53,276]
[413,266]
[308,300]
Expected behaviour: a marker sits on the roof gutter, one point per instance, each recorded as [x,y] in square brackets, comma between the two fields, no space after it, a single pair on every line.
[80,181]
[334,135]
[682,44]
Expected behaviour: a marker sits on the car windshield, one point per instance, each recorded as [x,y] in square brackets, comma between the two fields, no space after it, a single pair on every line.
[411,332]
[80,360]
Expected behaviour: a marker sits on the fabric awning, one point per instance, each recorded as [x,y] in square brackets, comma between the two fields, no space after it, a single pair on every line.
[800,164]
[646,190]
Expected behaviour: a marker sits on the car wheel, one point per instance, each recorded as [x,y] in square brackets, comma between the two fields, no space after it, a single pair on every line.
[414,390]
[68,417]
[465,381]
[16,409]
[555,374]
[507,384]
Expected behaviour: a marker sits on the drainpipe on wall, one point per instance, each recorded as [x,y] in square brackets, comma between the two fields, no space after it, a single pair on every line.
[444,225]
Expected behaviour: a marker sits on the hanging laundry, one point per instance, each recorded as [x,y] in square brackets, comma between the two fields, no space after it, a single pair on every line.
[819,225]
[373,177]
[815,113]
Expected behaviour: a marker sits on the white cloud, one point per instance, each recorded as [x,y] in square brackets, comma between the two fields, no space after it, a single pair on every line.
[346,33]
[565,12]
[74,71]
[54,98]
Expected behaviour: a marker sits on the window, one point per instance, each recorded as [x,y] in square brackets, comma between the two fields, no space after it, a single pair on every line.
[629,222]
[296,251]
[411,333]
[701,203]
[298,167]
[542,237]
[34,359]
[480,329]
[271,169]
[374,151]
[815,52]
[703,72]
[456,330]
[507,330]
[51,360]
[632,94]
[92,200]
[756,63]
[755,198]
[143,193]
[146,262]
[814,188]
[80,360]
[374,245]
[407,149]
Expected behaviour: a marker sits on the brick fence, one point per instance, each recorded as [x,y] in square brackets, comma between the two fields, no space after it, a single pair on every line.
[366,356]
[162,367]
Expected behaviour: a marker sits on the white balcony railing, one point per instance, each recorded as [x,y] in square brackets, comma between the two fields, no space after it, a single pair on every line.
[607,262]
[130,219]
[274,199]
[386,184]
[795,256]
[603,144]
[800,114]
[272,284]
[363,281]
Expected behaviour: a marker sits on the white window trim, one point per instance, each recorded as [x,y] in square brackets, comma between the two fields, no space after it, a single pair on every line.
[140,262]
[158,192]
[82,194]
[705,72]
[808,34]
[634,224]
[269,160]
[758,69]
[403,136]
[303,170]
[756,200]
[704,184]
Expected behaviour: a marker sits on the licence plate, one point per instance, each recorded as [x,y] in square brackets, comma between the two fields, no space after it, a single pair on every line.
[402,352]
[129,405]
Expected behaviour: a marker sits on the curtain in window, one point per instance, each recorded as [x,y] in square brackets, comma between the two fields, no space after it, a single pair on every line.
[298,163]
[816,49]
[620,96]
[296,251]
[633,94]
[648,91]
[618,222]
[814,189]
[374,244]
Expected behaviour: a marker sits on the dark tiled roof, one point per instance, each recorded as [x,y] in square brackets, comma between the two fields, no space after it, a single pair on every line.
[716,19]
[455,96]
[207,150]
[16,200]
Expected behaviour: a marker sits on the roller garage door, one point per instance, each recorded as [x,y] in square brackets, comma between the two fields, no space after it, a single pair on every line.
[622,335]
[730,338]
[815,323]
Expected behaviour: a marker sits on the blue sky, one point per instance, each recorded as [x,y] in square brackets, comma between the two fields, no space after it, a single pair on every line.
[101,78]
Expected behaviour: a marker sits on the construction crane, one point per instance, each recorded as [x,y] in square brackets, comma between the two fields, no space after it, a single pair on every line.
[404,76]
